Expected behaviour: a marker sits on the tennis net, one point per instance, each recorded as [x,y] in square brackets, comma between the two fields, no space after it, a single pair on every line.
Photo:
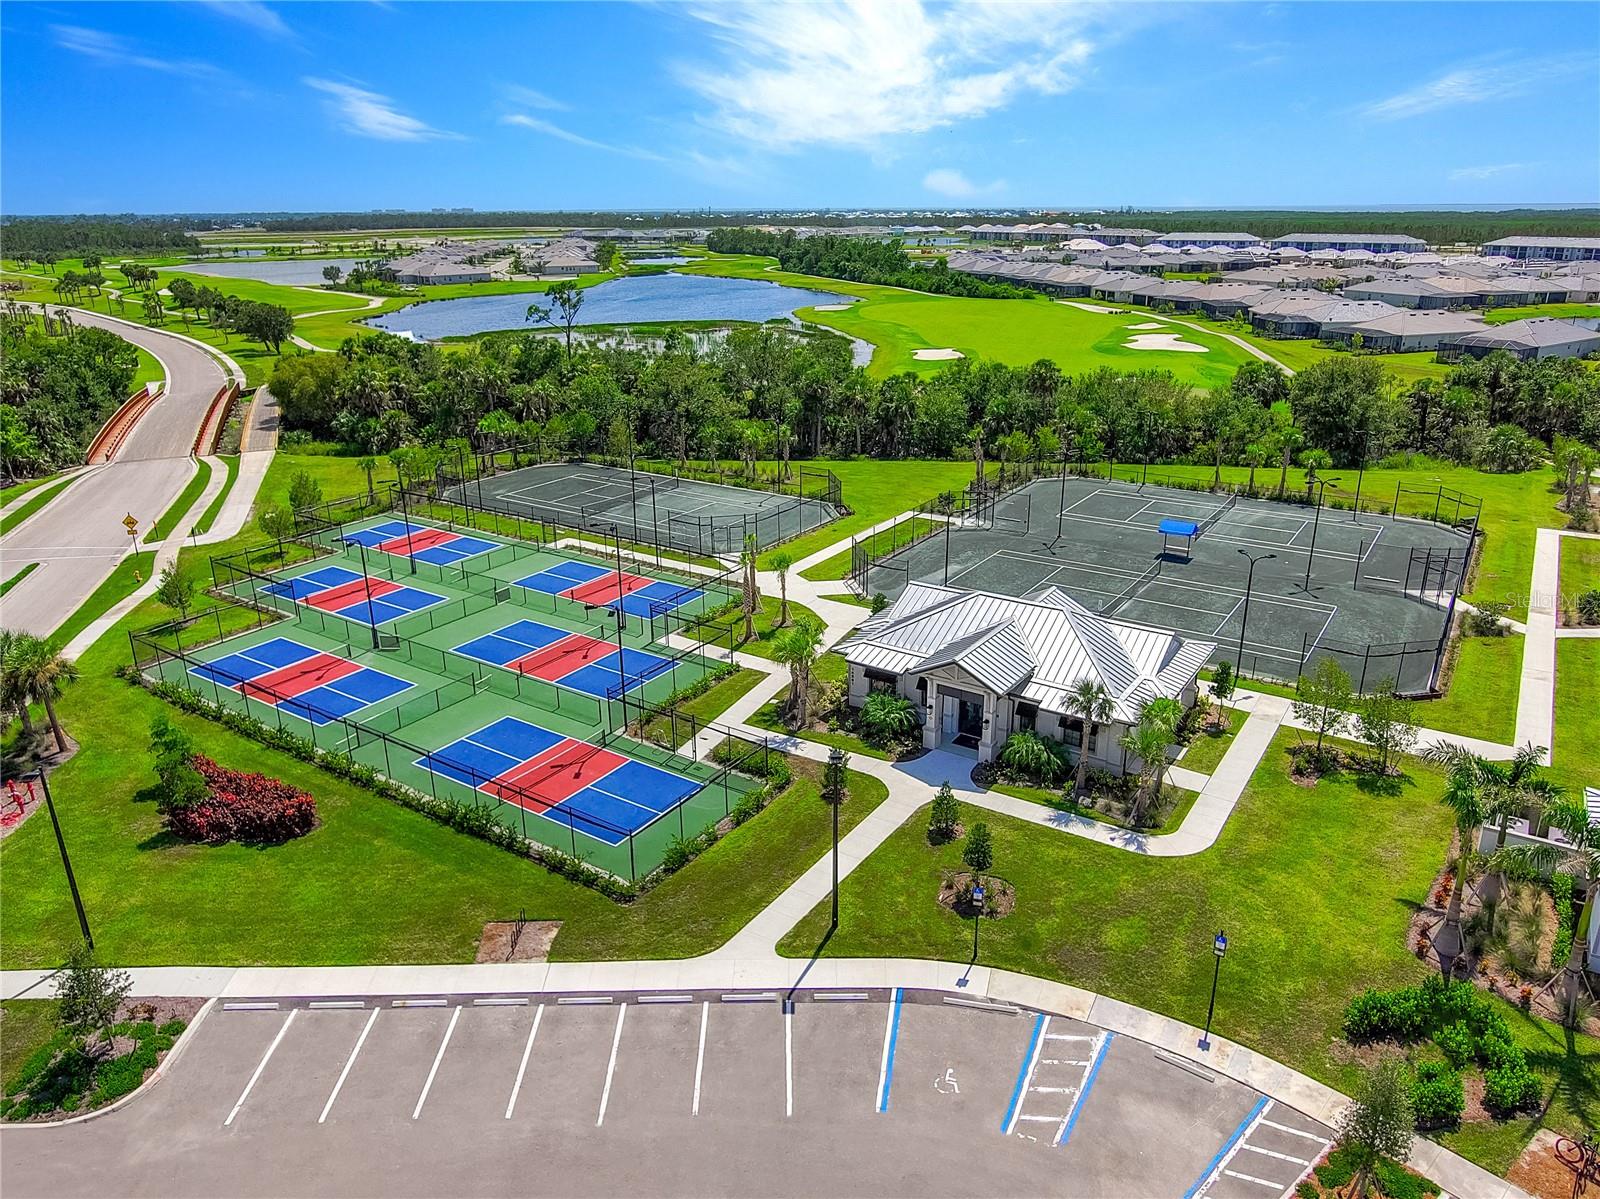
[1205,525]
[1128,592]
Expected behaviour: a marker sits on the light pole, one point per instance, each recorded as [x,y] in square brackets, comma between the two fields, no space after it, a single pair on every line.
[622,619]
[1361,469]
[366,582]
[1061,508]
[66,862]
[833,794]
[1250,579]
[1219,946]
[405,518]
[977,917]
[1311,555]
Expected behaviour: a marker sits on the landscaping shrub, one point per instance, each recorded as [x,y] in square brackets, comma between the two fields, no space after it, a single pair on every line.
[1036,759]
[1437,1097]
[1456,1042]
[887,718]
[1393,1179]
[240,806]
[1589,607]
[1511,1087]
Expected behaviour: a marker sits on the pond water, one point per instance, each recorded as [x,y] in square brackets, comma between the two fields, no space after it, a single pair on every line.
[292,272]
[662,260]
[669,297]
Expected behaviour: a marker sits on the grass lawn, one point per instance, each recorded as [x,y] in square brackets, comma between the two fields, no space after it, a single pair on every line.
[12,490]
[26,1025]
[18,577]
[119,584]
[1575,757]
[162,529]
[848,597]
[705,707]
[32,504]
[149,370]
[230,463]
[1181,799]
[885,541]
[766,622]
[1499,316]
[1580,572]
[1314,886]
[1208,746]
[1482,700]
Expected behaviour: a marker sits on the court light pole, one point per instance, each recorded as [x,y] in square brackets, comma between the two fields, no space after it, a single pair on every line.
[622,617]
[1250,579]
[1061,508]
[405,516]
[1361,469]
[366,583]
[1311,555]
[1219,946]
[66,862]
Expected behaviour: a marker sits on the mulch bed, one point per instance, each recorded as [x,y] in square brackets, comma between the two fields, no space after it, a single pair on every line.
[955,890]
[1539,1171]
[532,946]
[39,754]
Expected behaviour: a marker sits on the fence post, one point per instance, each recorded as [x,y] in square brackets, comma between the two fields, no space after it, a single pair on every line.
[1366,658]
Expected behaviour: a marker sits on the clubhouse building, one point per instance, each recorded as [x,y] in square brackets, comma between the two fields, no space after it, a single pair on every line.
[979,667]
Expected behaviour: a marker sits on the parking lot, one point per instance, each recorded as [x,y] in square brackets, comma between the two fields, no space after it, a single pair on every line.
[842,1093]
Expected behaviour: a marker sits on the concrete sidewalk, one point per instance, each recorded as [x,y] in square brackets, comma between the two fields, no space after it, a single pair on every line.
[1536,701]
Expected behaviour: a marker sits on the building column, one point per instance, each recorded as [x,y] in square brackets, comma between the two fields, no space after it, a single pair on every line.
[931,723]
[991,717]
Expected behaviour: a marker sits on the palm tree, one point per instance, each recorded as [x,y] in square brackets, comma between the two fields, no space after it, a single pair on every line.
[1580,857]
[369,464]
[41,672]
[13,696]
[1286,437]
[1148,742]
[751,597]
[781,562]
[1255,455]
[1090,702]
[796,647]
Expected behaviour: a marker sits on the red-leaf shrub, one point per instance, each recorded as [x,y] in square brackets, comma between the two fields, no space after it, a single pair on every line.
[243,807]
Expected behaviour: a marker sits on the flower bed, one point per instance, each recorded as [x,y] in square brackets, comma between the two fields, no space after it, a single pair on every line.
[244,807]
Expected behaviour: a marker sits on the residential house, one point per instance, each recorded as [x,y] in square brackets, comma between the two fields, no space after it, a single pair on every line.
[1546,249]
[1539,337]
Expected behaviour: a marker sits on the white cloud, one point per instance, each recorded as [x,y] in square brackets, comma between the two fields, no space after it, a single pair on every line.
[1474,84]
[252,13]
[529,98]
[956,186]
[367,114]
[850,72]
[114,51]
[540,125]
[1488,172]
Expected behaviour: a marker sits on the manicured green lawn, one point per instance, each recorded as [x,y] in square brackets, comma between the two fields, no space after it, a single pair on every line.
[1575,756]
[1314,887]
[1580,572]
[1482,700]
[162,529]
[120,583]
[32,504]
[18,577]
[13,490]
[1181,798]
[230,463]
[149,370]
[703,708]
[766,623]
[1499,316]
[26,1025]
[1208,746]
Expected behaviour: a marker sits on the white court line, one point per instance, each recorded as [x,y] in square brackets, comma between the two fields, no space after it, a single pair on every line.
[260,1066]
[437,1058]
[788,1062]
[1239,603]
[611,1066]
[348,1062]
[522,1068]
[700,1056]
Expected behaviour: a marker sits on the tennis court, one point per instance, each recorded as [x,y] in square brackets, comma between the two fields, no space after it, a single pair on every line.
[599,668]
[1369,590]
[688,514]
[358,597]
[587,787]
[425,543]
[312,684]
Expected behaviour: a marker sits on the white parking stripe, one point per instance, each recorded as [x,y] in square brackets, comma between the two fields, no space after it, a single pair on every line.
[1252,1178]
[1282,1157]
[522,1068]
[437,1058]
[788,1062]
[348,1062]
[260,1066]
[611,1066]
[1310,1136]
[700,1056]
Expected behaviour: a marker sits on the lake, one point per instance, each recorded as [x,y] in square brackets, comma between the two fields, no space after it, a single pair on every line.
[668,297]
[292,272]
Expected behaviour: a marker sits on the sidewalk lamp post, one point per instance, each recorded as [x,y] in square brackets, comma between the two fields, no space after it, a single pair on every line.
[1219,946]
[1311,555]
[833,794]
[1244,619]
[977,917]
[66,862]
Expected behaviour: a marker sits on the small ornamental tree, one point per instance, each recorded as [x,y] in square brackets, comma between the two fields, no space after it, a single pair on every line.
[1378,1123]
[1387,723]
[89,993]
[1223,682]
[181,784]
[978,853]
[304,491]
[1322,700]
[944,815]
[176,589]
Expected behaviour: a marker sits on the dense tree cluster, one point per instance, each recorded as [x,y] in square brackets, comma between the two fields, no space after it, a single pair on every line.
[270,324]
[771,392]
[56,392]
[861,260]
[46,241]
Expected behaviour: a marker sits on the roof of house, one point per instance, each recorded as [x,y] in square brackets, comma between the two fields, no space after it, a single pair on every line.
[1352,239]
[1202,237]
[1036,648]
[1412,322]
[1531,334]
[1588,243]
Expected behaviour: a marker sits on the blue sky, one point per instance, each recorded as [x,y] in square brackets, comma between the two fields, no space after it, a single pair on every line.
[235,106]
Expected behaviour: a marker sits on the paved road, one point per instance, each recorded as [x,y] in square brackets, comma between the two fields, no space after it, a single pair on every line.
[78,538]
[694,1094]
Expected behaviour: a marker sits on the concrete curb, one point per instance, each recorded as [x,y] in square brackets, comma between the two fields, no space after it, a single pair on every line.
[156,1076]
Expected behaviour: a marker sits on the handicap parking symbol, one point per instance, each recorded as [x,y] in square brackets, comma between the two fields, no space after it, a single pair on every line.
[947,1085]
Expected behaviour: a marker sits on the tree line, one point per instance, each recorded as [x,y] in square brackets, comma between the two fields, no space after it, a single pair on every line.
[861,260]
[56,392]
[48,241]
[766,392]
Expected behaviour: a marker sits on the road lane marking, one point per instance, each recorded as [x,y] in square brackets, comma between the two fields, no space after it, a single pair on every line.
[523,1066]
[891,1033]
[437,1058]
[348,1062]
[1064,1133]
[611,1066]
[700,1056]
[788,1062]
[260,1066]
[1030,1061]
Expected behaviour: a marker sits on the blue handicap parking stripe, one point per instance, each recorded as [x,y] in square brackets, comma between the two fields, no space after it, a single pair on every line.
[515,738]
[1022,1073]
[280,651]
[1082,1097]
[532,634]
[492,648]
[647,786]
[1211,1167]
[887,1080]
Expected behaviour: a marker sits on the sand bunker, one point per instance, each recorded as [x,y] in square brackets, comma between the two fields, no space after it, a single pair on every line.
[1086,307]
[1164,341]
[936,355]
[833,307]
[1148,325]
